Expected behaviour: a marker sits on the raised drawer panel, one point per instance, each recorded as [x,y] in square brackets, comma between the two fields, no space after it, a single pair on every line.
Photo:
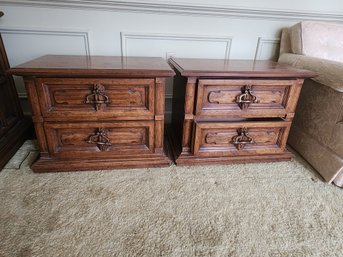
[240,138]
[246,98]
[99,139]
[121,99]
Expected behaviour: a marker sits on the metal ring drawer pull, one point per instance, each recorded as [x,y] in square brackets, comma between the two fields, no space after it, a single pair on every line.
[100,139]
[246,98]
[98,97]
[242,139]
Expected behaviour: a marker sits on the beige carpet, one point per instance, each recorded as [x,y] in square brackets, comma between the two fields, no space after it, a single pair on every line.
[267,209]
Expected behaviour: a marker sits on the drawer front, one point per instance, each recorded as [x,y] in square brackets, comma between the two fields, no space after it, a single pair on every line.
[91,99]
[247,98]
[99,139]
[240,138]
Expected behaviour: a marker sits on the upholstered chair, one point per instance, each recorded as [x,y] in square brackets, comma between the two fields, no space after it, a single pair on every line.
[317,131]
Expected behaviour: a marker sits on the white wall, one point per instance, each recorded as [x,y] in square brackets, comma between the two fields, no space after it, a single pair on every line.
[184,28]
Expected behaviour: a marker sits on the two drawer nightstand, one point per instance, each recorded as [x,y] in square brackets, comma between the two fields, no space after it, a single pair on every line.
[97,112]
[233,111]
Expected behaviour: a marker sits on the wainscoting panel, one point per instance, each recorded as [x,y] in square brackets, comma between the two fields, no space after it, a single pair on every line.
[41,41]
[267,49]
[177,45]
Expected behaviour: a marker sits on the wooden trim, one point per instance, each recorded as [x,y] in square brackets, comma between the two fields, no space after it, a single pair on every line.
[36,112]
[294,95]
[196,160]
[56,165]
[190,93]
[159,112]
[189,110]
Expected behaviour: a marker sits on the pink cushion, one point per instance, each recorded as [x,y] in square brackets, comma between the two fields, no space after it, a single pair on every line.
[318,39]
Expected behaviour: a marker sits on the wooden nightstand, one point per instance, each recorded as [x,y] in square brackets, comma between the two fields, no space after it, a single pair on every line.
[233,111]
[97,112]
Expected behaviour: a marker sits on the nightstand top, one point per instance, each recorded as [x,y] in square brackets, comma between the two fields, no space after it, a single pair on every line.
[192,67]
[77,65]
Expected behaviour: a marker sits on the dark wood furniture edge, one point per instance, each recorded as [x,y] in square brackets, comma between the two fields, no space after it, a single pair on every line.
[171,148]
[238,74]
[88,73]
[94,65]
[14,140]
[193,160]
[175,65]
[16,135]
[53,165]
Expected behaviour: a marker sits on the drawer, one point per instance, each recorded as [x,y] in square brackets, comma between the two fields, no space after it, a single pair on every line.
[246,98]
[95,99]
[99,139]
[240,138]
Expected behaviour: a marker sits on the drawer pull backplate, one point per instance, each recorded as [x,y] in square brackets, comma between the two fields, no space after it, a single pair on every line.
[100,139]
[246,98]
[98,97]
[242,139]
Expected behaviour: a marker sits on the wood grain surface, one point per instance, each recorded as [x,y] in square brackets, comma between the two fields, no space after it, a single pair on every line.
[98,112]
[234,111]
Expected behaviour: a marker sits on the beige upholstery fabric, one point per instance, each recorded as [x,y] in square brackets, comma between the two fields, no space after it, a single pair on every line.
[285,44]
[317,130]
[326,162]
[314,131]
[318,39]
[339,179]
[330,73]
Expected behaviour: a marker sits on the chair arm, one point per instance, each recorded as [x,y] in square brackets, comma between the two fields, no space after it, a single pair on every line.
[330,72]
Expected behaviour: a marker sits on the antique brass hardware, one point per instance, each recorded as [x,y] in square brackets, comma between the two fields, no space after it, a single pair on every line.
[98,97]
[242,139]
[100,139]
[246,98]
